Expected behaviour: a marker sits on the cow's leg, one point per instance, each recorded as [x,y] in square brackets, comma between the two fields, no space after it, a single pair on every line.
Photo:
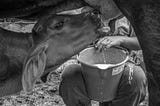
[72,88]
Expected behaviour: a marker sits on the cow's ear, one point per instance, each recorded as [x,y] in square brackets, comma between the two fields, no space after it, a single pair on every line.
[34,67]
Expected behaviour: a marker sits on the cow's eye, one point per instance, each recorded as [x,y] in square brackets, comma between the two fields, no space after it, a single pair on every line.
[59,25]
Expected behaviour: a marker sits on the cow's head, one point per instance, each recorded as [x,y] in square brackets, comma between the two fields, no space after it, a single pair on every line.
[57,38]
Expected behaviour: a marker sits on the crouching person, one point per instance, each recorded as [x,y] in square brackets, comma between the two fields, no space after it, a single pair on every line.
[131,90]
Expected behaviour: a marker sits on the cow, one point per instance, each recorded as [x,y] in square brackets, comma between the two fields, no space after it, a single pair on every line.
[25,56]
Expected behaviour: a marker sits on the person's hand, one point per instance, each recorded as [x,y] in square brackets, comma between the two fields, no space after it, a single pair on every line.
[109,41]
[104,31]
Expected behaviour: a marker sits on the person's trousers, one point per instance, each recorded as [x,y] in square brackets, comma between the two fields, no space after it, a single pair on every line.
[130,93]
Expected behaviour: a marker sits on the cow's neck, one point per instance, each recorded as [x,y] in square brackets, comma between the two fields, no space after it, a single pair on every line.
[13,49]
[13,44]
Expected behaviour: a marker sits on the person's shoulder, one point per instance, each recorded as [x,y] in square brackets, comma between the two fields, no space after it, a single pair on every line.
[123,22]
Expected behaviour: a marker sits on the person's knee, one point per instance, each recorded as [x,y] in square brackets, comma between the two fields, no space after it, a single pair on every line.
[71,71]
[134,81]
[139,75]
[134,75]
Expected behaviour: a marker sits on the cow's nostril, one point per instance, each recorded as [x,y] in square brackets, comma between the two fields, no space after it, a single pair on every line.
[96,12]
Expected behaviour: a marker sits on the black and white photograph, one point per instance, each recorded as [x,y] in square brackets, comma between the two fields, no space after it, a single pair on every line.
[79,52]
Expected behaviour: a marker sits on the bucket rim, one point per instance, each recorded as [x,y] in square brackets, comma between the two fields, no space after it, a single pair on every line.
[112,65]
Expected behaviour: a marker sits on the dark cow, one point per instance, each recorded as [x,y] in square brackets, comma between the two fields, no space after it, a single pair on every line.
[144,15]
[52,42]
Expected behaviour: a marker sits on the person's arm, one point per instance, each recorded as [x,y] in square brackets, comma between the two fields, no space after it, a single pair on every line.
[130,43]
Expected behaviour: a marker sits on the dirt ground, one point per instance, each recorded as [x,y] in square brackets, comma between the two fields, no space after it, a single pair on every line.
[44,94]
